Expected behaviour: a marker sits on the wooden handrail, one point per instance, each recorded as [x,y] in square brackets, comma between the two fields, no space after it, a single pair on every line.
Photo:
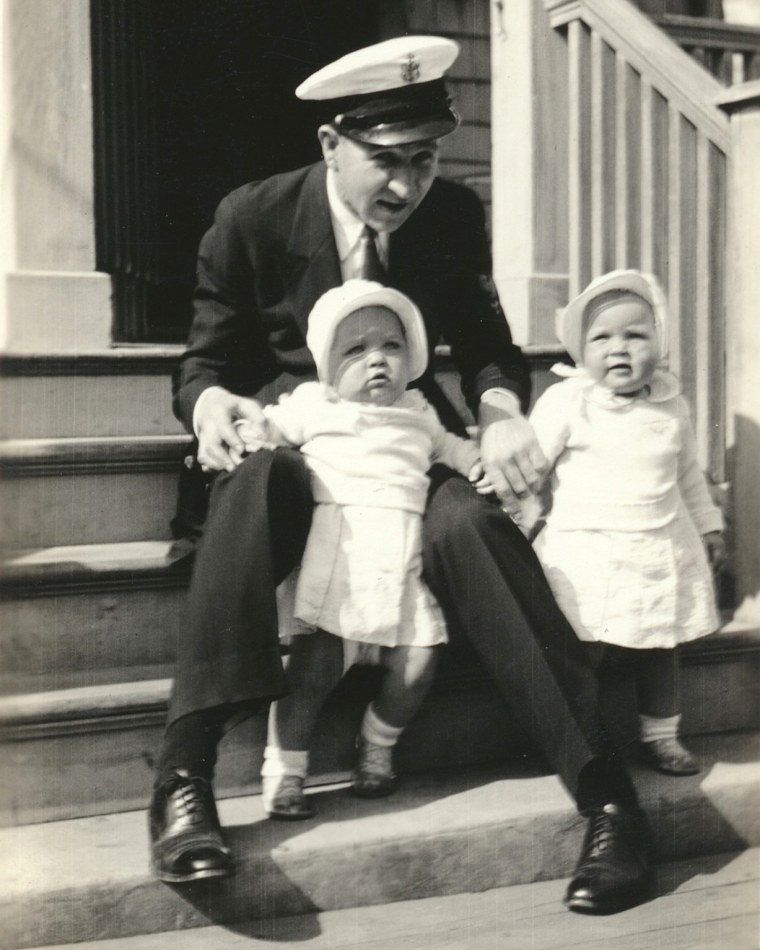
[707,32]
[730,52]
[636,38]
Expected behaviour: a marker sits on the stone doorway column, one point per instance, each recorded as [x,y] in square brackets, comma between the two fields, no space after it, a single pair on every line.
[53,300]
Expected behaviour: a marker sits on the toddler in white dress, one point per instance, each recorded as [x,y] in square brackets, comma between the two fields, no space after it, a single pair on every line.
[369,443]
[621,545]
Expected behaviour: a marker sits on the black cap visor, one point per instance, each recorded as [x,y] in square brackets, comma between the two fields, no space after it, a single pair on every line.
[412,113]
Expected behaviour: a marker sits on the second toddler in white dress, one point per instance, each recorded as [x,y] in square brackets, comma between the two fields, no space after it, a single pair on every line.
[632,525]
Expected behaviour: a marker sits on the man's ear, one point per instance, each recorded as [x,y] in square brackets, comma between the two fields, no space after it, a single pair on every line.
[329,138]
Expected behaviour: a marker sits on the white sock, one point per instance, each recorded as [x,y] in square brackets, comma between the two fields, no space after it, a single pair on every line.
[279,762]
[652,727]
[376,730]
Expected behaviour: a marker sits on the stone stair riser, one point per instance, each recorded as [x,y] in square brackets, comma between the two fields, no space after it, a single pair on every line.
[34,407]
[43,511]
[450,730]
[56,639]
[103,765]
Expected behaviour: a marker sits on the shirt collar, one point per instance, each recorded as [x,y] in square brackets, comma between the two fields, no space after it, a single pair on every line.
[345,224]
[662,387]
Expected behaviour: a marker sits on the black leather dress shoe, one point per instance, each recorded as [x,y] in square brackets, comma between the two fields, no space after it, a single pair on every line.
[186,840]
[613,872]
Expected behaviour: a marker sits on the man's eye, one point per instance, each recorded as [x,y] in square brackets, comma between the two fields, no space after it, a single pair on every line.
[393,345]
[354,350]
[384,159]
[424,160]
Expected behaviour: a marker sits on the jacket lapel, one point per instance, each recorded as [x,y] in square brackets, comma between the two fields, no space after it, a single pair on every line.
[313,258]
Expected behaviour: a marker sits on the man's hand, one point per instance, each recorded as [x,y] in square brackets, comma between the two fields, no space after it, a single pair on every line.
[512,458]
[220,447]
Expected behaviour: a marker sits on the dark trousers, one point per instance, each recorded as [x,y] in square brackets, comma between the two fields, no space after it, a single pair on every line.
[477,563]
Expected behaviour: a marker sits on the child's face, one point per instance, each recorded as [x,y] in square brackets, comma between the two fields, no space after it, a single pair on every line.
[621,349]
[369,359]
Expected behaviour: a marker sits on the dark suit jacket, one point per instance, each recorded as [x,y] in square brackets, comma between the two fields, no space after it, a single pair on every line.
[269,256]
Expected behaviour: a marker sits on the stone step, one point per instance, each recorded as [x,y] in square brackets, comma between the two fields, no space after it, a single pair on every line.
[90,750]
[699,904]
[81,615]
[120,391]
[443,833]
[88,747]
[72,614]
[126,390]
[93,490]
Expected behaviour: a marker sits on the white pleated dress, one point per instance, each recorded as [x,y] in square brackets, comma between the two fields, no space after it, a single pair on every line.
[621,548]
[361,573]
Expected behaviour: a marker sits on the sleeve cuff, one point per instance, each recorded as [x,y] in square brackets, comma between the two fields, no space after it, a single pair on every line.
[200,403]
[502,399]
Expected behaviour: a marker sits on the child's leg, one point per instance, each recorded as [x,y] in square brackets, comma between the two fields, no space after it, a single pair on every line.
[409,675]
[657,676]
[314,669]
[657,680]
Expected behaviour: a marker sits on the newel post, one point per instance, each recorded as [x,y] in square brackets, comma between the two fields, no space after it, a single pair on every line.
[742,103]
[529,166]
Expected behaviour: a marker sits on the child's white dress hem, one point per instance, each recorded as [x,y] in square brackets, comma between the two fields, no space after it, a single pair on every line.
[381,599]
[638,589]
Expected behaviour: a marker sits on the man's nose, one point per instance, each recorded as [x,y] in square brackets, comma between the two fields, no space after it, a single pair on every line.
[377,358]
[403,184]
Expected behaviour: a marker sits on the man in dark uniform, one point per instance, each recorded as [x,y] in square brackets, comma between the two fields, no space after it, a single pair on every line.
[373,208]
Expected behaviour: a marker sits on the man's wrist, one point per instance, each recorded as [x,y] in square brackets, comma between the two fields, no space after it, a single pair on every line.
[200,404]
[497,405]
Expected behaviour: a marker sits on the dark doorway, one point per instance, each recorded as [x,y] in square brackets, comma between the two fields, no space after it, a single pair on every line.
[193,98]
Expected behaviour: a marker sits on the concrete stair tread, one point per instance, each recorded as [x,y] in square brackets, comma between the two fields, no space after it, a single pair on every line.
[78,561]
[81,702]
[699,905]
[443,833]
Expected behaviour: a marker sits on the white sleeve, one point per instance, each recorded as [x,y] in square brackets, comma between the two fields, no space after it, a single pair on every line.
[550,417]
[200,402]
[286,419]
[452,450]
[691,482]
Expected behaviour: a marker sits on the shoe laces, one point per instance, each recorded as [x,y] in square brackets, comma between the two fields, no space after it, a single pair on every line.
[290,785]
[602,830]
[376,759]
[189,798]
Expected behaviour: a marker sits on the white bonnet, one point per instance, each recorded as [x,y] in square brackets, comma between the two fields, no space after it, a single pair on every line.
[335,305]
[572,322]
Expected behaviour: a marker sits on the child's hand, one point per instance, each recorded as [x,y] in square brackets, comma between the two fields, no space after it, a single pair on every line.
[253,435]
[479,480]
[715,549]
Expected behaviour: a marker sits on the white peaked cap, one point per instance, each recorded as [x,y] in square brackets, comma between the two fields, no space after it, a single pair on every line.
[388,65]
[338,303]
[389,94]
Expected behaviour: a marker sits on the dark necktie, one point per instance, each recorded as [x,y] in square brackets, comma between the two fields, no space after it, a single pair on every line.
[369,266]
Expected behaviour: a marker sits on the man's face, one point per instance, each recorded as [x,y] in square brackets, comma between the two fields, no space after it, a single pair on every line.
[382,185]
[369,358]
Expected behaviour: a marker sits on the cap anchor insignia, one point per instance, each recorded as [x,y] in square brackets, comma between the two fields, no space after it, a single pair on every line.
[410,71]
